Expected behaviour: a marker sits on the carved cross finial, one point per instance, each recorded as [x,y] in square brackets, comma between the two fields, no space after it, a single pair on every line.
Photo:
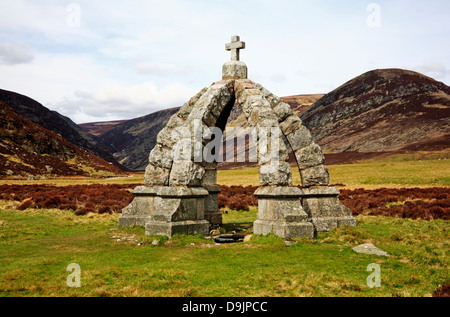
[235,45]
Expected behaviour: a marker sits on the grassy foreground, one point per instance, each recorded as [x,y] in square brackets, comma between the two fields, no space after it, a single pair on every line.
[36,246]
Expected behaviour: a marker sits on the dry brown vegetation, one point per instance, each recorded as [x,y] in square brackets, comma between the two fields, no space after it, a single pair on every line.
[414,203]
[82,199]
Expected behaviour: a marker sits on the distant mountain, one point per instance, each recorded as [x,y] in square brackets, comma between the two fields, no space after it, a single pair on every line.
[382,111]
[377,113]
[29,150]
[53,121]
[130,142]
[97,128]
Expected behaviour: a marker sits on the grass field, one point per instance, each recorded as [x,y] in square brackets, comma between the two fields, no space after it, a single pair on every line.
[37,245]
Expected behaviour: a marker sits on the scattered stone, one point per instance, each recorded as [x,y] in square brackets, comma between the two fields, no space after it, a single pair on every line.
[290,242]
[369,248]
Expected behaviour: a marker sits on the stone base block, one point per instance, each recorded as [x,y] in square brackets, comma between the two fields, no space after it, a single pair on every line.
[234,70]
[280,213]
[181,227]
[326,224]
[325,210]
[212,213]
[129,221]
[215,218]
[140,210]
[284,230]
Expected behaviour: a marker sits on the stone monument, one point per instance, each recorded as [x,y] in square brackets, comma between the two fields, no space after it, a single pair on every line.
[180,192]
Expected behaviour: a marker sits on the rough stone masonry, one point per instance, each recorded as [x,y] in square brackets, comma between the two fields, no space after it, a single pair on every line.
[180,193]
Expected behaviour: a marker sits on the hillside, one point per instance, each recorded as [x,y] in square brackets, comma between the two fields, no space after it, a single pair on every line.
[29,150]
[131,141]
[384,110]
[97,128]
[53,121]
[379,113]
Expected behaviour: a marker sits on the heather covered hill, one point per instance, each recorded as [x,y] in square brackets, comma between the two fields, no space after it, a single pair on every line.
[97,128]
[382,111]
[27,149]
[131,141]
[301,103]
[53,121]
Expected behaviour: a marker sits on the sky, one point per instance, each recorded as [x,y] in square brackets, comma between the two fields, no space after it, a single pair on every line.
[113,60]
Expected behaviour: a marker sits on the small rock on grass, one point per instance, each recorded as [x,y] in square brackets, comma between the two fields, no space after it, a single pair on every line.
[369,248]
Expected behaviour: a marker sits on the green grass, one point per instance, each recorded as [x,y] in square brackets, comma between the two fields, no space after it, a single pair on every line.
[394,171]
[400,170]
[36,246]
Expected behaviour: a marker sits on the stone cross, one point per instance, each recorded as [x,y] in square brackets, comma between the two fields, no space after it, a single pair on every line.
[235,45]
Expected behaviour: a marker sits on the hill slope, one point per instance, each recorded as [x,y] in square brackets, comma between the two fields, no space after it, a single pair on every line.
[97,128]
[27,149]
[131,141]
[379,112]
[382,111]
[53,121]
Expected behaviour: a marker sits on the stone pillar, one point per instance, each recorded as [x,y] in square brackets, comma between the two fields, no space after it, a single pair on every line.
[324,208]
[280,213]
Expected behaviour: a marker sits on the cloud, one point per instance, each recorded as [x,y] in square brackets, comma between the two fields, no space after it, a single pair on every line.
[13,55]
[154,68]
[115,101]
[434,70]
[278,77]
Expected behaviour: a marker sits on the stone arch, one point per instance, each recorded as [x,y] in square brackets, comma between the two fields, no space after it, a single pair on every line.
[180,192]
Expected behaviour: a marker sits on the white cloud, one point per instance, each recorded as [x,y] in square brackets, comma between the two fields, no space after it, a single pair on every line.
[437,71]
[15,54]
[115,101]
[154,68]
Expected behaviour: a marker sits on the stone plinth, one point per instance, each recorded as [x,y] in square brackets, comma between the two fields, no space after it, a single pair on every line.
[234,70]
[141,209]
[179,210]
[324,208]
[281,213]
[167,210]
